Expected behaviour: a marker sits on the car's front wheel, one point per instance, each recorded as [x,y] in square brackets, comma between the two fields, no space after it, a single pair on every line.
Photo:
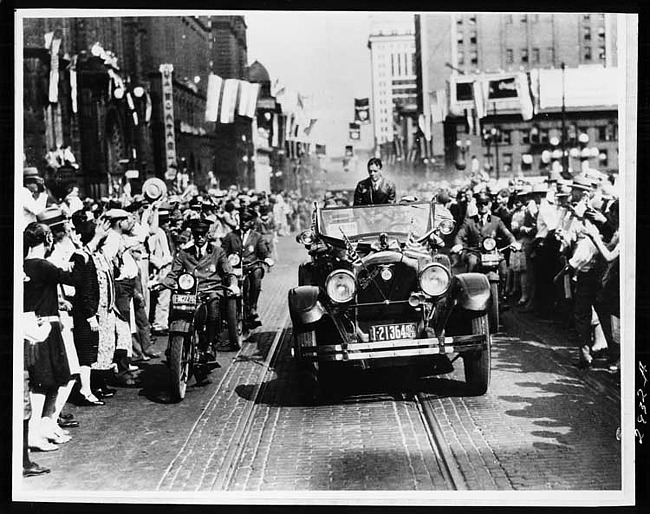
[477,362]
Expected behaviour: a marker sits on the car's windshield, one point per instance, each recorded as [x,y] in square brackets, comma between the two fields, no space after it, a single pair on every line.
[396,219]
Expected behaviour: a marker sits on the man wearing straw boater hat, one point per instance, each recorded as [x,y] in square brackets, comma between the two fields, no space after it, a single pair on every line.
[34,196]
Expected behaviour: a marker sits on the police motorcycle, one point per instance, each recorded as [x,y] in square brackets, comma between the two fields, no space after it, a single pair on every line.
[243,323]
[490,258]
[188,326]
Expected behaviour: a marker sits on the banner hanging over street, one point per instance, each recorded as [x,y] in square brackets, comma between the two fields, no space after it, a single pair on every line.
[355,131]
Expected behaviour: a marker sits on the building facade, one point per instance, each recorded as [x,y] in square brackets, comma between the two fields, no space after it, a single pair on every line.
[394,88]
[105,102]
[458,48]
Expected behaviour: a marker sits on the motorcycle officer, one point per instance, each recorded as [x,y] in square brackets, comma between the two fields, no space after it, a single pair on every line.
[251,246]
[476,228]
[211,268]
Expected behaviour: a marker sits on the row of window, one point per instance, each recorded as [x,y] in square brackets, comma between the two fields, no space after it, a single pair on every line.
[399,64]
[472,57]
[473,38]
[604,133]
[525,18]
[534,57]
[506,161]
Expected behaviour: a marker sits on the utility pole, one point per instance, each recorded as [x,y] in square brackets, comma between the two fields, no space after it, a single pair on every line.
[565,164]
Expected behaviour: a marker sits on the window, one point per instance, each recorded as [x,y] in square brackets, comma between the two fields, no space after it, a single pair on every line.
[505,137]
[392,64]
[460,38]
[509,19]
[586,33]
[461,58]
[543,136]
[459,19]
[524,55]
[602,157]
[473,57]
[551,54]
[586,54]
[535,55]
[524,18]
[509,58]
[601,53]
[586,17]
[472,37]
[601,35]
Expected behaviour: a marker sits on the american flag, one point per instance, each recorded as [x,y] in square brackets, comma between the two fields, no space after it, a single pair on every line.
[354,256]
[412,243]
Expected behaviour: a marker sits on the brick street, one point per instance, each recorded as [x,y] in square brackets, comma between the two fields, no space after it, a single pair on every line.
[543,424]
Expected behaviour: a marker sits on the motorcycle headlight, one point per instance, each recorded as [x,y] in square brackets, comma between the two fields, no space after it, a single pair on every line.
[234,259]
[186,282]
[446,227]
[435,280]
[341,286]
[489,244]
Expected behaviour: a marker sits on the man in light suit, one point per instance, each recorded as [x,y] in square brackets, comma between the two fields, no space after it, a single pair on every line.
[374,189]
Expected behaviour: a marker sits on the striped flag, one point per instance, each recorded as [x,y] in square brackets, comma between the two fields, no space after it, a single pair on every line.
[215,83]
[244,94]
[229,101]
[352,253]
[412,243]
[275,131]
[253,93]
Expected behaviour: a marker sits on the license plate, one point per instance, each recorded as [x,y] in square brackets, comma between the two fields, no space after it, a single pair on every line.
[393,331]
[183,298]
[490,260]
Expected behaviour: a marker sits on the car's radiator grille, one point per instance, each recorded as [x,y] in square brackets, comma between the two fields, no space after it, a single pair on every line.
[397,288]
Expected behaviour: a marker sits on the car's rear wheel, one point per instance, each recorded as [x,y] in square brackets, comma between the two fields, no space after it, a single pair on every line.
[477,362]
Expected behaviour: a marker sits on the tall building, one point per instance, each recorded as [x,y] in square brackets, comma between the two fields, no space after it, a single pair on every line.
[493,42]
[457,49]
[394,89]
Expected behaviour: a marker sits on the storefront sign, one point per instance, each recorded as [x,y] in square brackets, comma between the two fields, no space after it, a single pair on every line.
[168,119]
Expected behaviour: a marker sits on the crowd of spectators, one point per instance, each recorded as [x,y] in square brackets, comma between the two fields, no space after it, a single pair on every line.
[90,311]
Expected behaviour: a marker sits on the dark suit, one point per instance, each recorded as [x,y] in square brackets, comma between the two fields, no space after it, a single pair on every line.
[472,232]
[254,248]
[85,303]
[365,194]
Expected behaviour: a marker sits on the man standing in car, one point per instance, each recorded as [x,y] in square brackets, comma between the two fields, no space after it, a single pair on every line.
[374,189]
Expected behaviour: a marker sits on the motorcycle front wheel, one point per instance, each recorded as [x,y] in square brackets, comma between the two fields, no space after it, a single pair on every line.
[179,365]
[235,322]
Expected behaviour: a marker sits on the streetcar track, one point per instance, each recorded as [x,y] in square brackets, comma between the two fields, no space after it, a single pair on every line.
[181,456]
[448,464]
[228,468]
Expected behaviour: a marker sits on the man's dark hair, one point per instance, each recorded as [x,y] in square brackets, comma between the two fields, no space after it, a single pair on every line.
[377,161]
[35,233]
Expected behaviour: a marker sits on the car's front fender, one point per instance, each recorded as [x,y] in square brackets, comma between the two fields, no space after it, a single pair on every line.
[472,291]
[305,306]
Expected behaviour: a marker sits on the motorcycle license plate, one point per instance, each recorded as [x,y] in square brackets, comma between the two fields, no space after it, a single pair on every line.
[490,260]
[184,298]
[393,331]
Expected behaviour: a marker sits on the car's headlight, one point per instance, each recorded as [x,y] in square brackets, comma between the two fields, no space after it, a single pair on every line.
[341,286]
[234,259]
[186,282]
[306,237]
[435,279]
[489,244]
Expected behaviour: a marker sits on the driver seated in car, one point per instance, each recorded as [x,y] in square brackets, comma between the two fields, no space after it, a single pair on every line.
[478,227]
[209,265]
[250,246]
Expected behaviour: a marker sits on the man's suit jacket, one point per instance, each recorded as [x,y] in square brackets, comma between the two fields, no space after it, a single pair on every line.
[472,233]
[364,194]
[256,248]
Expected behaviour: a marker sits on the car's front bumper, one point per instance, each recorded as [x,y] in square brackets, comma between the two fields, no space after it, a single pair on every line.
[394,348]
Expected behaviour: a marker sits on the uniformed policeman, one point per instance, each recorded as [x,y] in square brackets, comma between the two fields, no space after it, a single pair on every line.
[210,266]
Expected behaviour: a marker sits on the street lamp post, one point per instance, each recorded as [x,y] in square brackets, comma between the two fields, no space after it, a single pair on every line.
[565,157]
[495,132]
